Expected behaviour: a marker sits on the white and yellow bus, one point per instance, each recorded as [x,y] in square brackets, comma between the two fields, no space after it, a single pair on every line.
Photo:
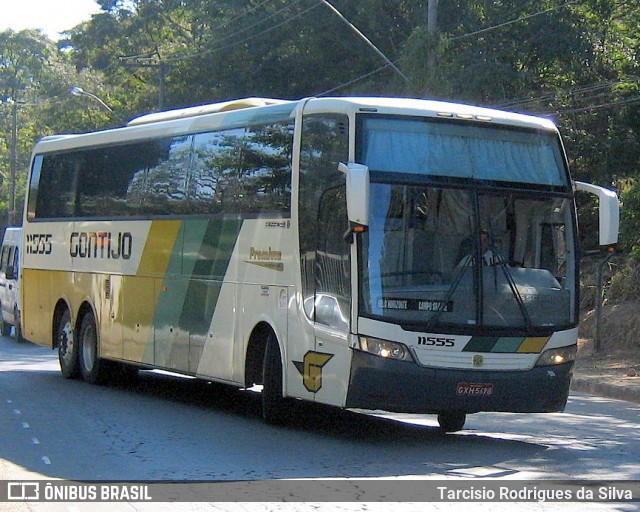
[325,249]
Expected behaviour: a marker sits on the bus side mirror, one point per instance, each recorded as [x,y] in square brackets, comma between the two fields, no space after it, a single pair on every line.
[357,192]
[609,211]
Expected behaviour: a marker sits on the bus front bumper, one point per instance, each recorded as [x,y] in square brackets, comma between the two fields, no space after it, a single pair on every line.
[399,386]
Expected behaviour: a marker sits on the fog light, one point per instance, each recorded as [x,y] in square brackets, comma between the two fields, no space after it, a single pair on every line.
[387,349]
[555,356]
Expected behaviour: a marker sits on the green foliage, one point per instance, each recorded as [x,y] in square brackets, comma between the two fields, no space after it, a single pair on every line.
[35,80]
[576,62]
[624,285]
[630,217]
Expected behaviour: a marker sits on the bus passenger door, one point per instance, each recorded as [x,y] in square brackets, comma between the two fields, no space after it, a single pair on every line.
[327,368]
[322,356]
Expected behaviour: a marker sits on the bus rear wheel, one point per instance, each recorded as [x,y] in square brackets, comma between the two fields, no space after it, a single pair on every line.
[91,366]
[18,326]
[452,421]
[273,401]
[67,347]
[5,328]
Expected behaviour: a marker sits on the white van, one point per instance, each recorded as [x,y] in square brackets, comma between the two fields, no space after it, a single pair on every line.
[10,282]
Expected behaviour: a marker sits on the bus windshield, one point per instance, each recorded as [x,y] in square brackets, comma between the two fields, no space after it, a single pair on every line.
[463,151]
[463,254]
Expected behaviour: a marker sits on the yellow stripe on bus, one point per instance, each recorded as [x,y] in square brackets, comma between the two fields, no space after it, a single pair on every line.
[159,247]
[533,345]
[142,291]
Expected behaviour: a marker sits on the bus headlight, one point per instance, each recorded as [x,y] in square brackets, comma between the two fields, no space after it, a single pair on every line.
[387,349]
[555,356]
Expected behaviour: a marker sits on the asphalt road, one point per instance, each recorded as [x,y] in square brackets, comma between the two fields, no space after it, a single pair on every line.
[162,427]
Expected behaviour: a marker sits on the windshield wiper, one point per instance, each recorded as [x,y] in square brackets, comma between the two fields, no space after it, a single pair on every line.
[460,272]
[514,289]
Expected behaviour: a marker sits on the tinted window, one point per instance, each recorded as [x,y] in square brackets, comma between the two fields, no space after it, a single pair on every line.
[324,252]
[57,185]
[164,177]
[243,171]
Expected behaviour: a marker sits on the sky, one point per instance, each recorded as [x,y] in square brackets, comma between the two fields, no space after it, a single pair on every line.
[51,16]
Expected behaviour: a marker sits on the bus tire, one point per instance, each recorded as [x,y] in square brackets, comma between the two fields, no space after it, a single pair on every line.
[273,402]
[5,328]
[91,366]
[452,421]
[18,327]
[67,347]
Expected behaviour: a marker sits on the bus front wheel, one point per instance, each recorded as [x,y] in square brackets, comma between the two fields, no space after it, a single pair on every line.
[5,328]
[91,365]
[67,347]
[452,421]
[273,402]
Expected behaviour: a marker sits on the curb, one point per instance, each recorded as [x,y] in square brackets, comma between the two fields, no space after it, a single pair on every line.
[595,387]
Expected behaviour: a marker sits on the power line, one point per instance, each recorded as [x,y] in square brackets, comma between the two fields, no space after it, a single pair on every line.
[517,20]
[487,29]
[324,93]
[590,93]
[219,27]
[365,39]
[165,63]
[249,38]
[621,102]
[220,47]
[596,86]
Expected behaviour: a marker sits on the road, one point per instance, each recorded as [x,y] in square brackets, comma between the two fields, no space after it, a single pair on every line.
[162,427]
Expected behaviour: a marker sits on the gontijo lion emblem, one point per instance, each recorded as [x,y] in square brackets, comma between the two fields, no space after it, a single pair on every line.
[311,369]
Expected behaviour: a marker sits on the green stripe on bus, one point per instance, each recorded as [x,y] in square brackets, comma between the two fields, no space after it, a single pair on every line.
[506,345]
[213,256]
[192,285]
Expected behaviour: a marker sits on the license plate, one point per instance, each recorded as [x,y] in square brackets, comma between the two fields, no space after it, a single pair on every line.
[474,389]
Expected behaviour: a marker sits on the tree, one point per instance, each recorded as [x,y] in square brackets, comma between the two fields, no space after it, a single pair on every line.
[22,58]
[35,80]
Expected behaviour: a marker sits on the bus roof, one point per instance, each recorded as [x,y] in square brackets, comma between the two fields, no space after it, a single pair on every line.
[200,110]
[247,111]
[430,108]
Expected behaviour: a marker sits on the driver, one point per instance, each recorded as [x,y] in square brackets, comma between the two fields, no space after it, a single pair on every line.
[488,257]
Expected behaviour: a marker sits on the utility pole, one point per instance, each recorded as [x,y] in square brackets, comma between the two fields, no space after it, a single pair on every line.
[432,32]
[13,157]
[13,164]
[162,98]
[162,74]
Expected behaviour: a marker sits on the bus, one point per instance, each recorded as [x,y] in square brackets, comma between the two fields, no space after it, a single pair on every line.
[330,250]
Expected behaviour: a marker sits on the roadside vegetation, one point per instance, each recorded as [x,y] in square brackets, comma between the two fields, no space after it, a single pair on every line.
[576,62]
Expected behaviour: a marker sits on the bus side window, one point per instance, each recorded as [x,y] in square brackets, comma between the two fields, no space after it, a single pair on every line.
[332,269]
[4,258]
[58,185]
[324,144]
